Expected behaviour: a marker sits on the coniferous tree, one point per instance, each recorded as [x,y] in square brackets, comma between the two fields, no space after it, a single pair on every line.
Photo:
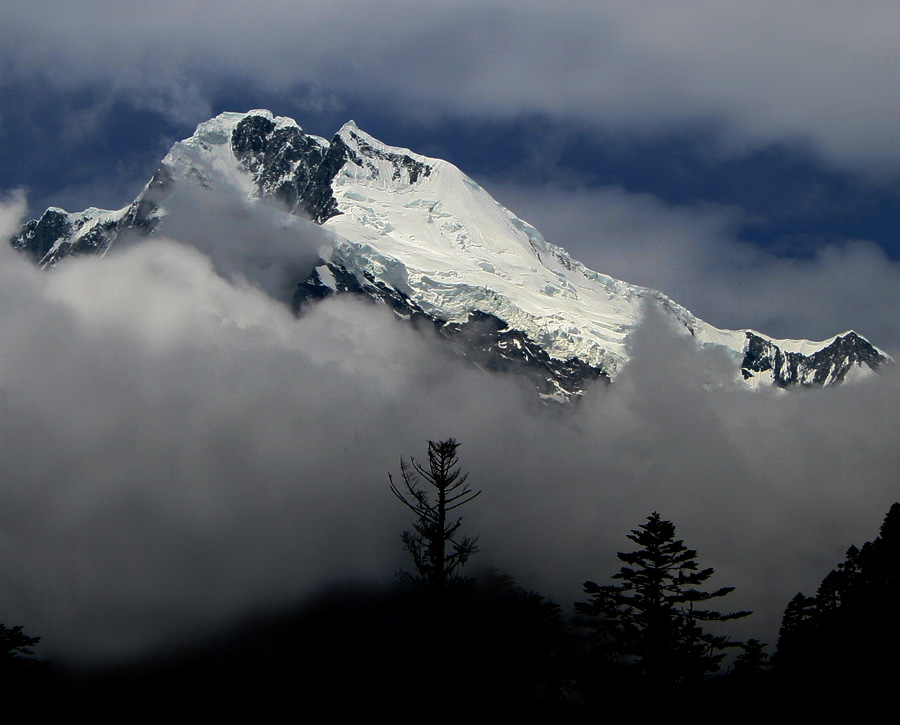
[16,649]
[849,631]
[473,640]
[437,550]
[653,621]
[753,660]
[795,635]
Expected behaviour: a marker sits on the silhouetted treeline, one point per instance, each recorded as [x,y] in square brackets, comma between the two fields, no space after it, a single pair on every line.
[435,638]
[849,631]
[358,647]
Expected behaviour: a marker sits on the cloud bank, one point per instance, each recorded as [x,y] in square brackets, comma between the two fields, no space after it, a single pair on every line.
[177,448]
[821,73]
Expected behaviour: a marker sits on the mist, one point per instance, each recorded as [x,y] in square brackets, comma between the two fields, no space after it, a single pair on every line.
[178,449]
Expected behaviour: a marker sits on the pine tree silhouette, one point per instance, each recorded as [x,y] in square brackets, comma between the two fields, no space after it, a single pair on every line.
[437,550]
[653,620]
[16,650]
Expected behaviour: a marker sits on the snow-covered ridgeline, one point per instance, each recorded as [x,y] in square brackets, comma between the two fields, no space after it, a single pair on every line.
[422,228]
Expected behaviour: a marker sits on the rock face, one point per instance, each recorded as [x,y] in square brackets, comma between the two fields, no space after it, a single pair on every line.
[826,366]
[417,235]
[288,166]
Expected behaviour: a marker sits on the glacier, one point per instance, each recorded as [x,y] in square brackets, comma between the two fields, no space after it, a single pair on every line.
[419,235]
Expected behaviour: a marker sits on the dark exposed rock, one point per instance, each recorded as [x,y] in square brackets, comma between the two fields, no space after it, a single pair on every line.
[288,165]
[39,235]
[250,138]
[824,367]
[490,343]
[316,198]
[402,163]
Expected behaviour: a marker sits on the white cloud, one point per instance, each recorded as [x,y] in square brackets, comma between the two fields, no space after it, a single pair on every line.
[12,211]
[824,73]
[177,447]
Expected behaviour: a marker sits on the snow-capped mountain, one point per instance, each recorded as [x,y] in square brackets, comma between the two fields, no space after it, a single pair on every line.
[419,235]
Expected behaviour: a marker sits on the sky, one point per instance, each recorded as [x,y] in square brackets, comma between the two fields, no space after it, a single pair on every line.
[177,448]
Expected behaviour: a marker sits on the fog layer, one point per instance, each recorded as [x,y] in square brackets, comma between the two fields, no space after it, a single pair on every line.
[177,448]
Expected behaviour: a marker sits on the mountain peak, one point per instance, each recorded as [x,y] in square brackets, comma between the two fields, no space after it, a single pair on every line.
[419,235]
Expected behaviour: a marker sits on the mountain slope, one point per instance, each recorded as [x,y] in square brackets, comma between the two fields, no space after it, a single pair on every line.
[417,234]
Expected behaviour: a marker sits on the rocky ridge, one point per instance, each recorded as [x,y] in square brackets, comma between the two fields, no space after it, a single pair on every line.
[418,235]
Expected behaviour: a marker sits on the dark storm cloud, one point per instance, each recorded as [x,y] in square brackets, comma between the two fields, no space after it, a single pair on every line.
[826,73]
[177,448]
